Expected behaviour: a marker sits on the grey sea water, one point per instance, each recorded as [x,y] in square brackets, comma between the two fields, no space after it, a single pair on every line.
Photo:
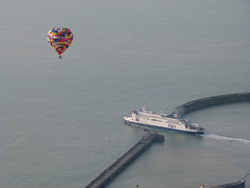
[61,120]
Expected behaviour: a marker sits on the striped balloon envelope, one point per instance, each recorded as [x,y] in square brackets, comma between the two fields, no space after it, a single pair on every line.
[60,39]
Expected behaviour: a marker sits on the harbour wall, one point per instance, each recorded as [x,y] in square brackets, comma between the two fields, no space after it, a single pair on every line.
[210,101]
[125,160]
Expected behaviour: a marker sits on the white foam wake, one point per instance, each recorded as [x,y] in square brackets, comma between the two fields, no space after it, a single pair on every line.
[238,141]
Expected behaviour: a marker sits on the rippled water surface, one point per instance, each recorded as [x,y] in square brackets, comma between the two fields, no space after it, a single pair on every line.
[62,119]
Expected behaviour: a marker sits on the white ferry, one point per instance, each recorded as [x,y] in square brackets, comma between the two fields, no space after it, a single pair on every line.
[167,122]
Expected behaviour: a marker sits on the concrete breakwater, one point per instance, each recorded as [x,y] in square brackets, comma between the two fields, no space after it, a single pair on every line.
[126,159]
[209,101]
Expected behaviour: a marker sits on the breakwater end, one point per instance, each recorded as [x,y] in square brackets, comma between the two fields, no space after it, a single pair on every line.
[125,160]
[209,101]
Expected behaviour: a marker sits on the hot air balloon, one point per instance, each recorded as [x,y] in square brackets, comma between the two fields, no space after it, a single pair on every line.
[60,39]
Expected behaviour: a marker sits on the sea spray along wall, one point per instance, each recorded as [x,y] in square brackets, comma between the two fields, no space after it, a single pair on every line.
[209,101]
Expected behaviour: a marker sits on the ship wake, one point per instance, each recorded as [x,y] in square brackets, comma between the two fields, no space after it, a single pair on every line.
[235,141]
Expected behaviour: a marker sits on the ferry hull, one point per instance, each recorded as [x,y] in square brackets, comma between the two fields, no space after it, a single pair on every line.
[136,124]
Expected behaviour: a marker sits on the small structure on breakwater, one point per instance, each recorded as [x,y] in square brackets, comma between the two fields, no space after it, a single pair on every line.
[126,159]
[209,101]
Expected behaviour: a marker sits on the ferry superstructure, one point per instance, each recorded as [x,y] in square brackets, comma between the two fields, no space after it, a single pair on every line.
[156,120]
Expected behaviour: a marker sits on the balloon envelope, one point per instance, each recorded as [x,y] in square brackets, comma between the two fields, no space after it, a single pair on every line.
[60,39]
